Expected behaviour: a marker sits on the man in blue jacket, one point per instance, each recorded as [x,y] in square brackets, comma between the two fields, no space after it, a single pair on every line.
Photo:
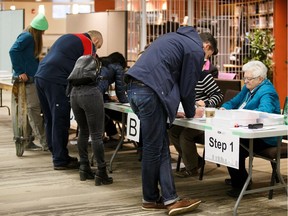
[51,82]
[165,73]
[257,94]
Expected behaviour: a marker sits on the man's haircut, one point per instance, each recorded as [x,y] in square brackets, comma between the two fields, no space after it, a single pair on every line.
[208,38]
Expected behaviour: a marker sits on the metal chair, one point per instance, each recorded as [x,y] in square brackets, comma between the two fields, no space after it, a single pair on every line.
[270,154]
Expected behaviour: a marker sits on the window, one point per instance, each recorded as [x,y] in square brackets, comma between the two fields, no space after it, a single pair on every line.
[62,7]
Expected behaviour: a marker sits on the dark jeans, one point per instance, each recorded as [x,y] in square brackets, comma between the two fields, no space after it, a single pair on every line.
[156,161]
[239,176]
[88,107]
[56,109]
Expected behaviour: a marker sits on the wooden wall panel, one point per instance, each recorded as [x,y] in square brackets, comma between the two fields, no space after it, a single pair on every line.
[280,53]
[103,5]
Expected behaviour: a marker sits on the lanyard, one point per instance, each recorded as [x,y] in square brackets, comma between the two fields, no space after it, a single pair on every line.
[248,98]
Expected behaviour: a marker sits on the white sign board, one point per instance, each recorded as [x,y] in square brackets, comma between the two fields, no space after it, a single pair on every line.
[133,127]
[222,147]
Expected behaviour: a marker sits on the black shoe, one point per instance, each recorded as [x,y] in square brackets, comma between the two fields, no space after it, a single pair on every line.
[235,192]
[73,158]
[187,173]
[115,137]
[229,182]
[100,180]
[101,177]
[73,164]
[85,172]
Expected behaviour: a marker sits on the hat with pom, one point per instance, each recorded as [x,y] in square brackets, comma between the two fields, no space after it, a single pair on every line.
[39,22]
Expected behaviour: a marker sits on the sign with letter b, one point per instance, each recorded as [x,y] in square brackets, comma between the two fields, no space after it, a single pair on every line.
[133,127]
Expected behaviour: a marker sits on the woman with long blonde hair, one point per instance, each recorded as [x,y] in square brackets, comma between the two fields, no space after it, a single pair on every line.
[25,54]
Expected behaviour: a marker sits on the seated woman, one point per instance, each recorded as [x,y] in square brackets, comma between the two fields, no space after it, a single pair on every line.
[258,94]
[185,139]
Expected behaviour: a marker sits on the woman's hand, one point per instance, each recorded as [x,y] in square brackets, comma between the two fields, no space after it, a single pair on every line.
[200,103]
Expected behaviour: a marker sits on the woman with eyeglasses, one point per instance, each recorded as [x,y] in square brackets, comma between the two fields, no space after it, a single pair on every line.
[257,94]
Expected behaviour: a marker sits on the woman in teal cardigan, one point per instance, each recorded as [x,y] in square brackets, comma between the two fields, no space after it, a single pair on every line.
[257,94]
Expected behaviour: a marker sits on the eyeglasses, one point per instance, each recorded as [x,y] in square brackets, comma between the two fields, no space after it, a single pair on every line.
[249,78]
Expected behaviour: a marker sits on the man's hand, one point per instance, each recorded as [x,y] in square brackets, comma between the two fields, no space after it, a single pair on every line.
[114,98]
[199,112]
[180,115]
[23,77]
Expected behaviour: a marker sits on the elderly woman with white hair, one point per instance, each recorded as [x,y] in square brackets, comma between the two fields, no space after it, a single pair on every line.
[258,94]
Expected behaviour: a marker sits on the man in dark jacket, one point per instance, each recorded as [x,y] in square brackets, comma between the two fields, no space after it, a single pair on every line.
[51,82]
[165,73]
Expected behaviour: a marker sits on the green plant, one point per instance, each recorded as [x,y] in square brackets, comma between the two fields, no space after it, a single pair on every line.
[262,44]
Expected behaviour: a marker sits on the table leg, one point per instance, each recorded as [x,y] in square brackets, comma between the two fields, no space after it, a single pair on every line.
[244,191]
[1,102]
[123,121]
[248,178]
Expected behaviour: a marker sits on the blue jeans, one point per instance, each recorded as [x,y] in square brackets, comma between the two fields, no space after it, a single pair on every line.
[88,107]
[156,160]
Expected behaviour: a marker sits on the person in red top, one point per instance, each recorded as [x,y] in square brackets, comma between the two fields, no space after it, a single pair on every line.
[51,82]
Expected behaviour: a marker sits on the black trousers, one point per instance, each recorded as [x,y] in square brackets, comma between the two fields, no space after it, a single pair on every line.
[110,116]
[238,177]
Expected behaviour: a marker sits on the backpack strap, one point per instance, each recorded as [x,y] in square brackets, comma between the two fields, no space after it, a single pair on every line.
[87,44]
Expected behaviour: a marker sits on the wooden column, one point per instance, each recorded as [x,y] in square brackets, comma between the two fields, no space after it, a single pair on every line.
[280,54]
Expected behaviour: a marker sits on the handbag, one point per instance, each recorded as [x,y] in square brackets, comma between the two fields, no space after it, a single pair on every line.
[86,70]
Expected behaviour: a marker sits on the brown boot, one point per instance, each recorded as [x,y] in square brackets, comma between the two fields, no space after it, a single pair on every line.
[183,206]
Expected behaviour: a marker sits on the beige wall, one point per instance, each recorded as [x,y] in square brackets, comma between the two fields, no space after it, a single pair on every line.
[57,27]
[112,27]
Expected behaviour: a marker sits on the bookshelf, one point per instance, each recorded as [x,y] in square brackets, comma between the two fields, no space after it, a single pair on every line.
[259,14]
[236,21]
